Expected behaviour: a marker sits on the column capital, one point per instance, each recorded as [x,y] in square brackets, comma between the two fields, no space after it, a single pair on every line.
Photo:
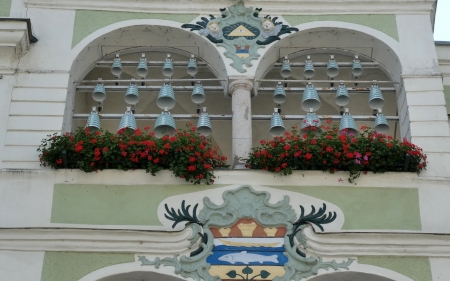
[245,84]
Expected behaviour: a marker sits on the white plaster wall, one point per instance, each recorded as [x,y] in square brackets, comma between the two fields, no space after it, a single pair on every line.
[26,196]
[35,98]
[439,268]
[20,266]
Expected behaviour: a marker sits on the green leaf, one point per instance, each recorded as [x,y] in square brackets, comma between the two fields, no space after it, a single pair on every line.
[247,270]
[264,274]
[232,274]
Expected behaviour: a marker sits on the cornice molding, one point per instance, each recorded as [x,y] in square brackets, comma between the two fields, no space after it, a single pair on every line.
[95,240]
[14,42]
[377,244]
[348,244]
[283,7]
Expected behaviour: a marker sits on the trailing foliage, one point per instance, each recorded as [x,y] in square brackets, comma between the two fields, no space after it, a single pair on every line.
[336,151]
[187,154]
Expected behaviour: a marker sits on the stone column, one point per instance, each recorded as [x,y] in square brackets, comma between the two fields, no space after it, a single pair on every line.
[242,120]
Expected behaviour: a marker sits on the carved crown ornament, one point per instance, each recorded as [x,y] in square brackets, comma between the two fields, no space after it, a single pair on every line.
[247,238]
[241,32]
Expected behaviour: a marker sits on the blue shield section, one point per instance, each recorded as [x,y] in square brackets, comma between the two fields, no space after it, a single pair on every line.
[248,256]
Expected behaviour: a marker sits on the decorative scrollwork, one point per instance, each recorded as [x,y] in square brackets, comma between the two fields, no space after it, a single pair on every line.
[182,215]
[317,219]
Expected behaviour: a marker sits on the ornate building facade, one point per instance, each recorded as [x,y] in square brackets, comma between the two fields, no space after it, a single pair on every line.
[116,225]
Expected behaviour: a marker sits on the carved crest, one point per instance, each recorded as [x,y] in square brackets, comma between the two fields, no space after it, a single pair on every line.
[241,32]
[247,238]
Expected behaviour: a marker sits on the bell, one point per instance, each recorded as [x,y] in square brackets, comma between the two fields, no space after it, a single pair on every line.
[347,123]
[308,72]
[381,124]
[168,67]
[286,68]
[198,94]
[332,67]
[165,124]
[279,95]
[192,66]
[99,93]
[116,68]
[166,97]
[93,121]
[276,124]
[142,69]
[128,121]
[342,97]
[310,98]
[132,95]
[376,99]
[204,124]
[357,68]
[311,120]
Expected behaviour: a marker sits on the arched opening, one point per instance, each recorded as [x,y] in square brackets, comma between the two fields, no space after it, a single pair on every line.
[319,42]
[155,41]
[350,276]
[140,276]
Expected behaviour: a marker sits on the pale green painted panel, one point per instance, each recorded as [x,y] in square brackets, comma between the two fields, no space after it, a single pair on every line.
[371,207]
[5,7]
[384,23]
[447,97]
[86,22]
[417,268]
[364,207]
[113,204]
[69,266]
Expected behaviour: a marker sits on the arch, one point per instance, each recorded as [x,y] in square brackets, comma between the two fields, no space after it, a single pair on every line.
[332,34]
[142,33]
[359,272]
[110,273]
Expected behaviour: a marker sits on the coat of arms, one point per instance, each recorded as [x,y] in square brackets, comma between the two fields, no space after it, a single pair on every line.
[247,239]
[241,32]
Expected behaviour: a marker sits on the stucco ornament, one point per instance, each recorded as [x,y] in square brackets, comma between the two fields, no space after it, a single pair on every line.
[241,32]
[247,234]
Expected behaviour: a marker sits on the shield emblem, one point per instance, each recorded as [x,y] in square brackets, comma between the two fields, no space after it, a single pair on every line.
[247,250]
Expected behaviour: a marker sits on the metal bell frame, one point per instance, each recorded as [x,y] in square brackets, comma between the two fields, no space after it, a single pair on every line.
[342,96]
[204,124]
[310,98]
[132,94]
[332,67]
[309,71]
[198,93]
[279,95]
[142,69]
[192,66]
[286,68]
[99,93]
[166,96]
[127,121]
[348,125]
[167,69]
[376,99]
[93,121]
[276,124]
[381,124]
[165,124]
[116,68]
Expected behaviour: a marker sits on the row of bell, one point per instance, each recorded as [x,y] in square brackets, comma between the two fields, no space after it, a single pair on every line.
[164,125]
[332,68]
[166,96]
[347,123]
[142,68]
[311,98]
